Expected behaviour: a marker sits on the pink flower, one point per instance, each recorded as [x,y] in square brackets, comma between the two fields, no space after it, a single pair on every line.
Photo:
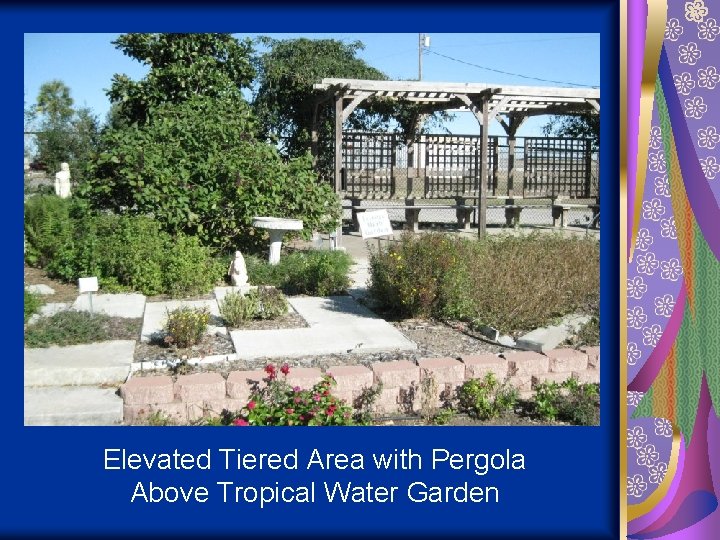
[330,410]
[251,405]
[289,411]
[296,389]
[316,397]
[240,422]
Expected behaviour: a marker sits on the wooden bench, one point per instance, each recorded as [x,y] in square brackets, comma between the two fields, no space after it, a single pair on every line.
[463,212]
[560,212]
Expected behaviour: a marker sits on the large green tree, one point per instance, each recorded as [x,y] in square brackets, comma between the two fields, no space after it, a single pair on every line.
[181,66]
[193,159]
[65,134]
[576,127]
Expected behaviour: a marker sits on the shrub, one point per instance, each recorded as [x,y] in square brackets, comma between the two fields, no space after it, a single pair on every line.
[189,268]
[279,404]
[511,283]
[272,302]
[185,326]
[68,328]
[237,308]
[486,398]
[33,303]
[569,402]
[319,273]
[48,227]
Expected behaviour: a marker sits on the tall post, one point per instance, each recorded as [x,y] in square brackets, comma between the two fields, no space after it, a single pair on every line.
[420,50]
[482,195]
[511,166]
[314,136]
[338,156]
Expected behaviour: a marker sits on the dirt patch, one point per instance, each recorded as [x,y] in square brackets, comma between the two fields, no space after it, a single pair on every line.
[156,351]
[437,338]
[64,292]
[291,320]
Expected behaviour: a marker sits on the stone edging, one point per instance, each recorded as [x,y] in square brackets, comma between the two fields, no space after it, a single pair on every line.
[192,397]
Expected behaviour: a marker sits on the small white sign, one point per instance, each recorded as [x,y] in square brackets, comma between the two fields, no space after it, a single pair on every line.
[374,223]
[88,284]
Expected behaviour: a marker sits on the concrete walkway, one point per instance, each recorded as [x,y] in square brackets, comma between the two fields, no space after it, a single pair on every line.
[337,325]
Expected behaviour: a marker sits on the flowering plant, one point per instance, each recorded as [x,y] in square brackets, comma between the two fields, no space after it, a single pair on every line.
[276,403]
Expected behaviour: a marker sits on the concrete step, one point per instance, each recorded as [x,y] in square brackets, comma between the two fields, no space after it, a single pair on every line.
[72,406]
[102,363]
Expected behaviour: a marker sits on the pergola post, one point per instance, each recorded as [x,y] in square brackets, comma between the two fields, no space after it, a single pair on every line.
[482,195]
[514,121]
[338,156]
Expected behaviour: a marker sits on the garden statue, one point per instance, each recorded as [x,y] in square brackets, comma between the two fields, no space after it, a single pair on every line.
[237,271]
[62,181]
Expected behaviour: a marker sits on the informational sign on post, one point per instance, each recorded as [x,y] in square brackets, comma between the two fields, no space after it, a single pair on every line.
[374,224]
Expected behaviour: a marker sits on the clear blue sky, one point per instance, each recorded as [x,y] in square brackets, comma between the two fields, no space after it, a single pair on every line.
[87,62]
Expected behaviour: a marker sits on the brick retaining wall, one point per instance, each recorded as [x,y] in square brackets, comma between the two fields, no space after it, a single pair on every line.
[192,397]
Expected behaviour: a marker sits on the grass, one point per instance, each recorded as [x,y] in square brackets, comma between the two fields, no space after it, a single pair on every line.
[76,327]
[33,303]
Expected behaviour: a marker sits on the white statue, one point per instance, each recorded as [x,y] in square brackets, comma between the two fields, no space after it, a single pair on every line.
[62,181]
[238,271]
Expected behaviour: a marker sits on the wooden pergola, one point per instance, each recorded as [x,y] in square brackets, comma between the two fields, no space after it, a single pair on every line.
[509,105]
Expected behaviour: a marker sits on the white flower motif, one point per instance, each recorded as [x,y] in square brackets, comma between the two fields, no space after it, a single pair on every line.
[644,240]
[647,263]
[656,162]
[636,287]
[689,54]
[664,305]
[662,186]
[671,269]
[655,137]
[634,398]
[707,78]
[667,228]
[658,472]
[710,167]
[663,427]
[636,486]
[636,317]
[653,210]
[633,355]
[647,455]
[695,11]
[636,437]
[695,107]
[708,30]
[651,335]
[673,30]
[708,137]
[684,83]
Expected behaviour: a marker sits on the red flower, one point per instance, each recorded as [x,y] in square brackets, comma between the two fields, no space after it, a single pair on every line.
[251,405]
[285,369]
[241,422]
[270,369]
[330,410]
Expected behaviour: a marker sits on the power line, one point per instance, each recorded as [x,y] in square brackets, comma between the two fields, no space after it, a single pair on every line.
[492,43]
[507,72]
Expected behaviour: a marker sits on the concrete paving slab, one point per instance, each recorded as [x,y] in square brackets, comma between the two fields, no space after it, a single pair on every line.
[48,310]
[131,306]
[72,406]
[338,325]
[156,316]
[107,362]
[40,289]
[549,337]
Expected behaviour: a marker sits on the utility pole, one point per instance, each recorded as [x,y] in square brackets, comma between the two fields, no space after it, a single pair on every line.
[423,42]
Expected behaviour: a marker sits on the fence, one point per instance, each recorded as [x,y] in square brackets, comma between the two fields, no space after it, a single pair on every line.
[382,166]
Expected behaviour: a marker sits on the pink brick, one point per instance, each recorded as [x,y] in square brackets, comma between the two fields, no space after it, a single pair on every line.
[567,360]
[240,383]
[200,387]
[527,363]
[521,382]
[526,395]
[351,378]
[587,376]
[175,412]
[396,374]
[387,401]
[346,395]
[593,354]
[305,378]
[558,378]
[443,370]
[477,366]
[141,390]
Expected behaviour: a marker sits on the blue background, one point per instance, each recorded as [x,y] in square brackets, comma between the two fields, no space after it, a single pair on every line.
[54,482]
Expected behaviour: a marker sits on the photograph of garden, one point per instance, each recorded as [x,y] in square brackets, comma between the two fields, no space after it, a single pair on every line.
[222,206]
